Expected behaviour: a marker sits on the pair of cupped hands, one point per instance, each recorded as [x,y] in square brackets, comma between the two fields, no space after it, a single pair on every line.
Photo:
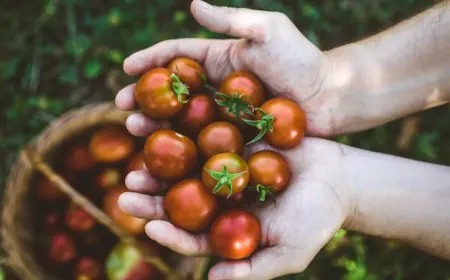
[316,203]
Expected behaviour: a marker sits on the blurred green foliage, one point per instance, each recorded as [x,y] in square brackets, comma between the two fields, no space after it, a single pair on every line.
[60,54]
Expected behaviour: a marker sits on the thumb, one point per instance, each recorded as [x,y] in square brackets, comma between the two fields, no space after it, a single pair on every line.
[267,264]
[236,22]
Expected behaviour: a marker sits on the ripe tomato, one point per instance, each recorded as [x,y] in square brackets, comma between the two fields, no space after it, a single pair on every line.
[78,158]
[130,223]
[228,174]
[78,219]
[111,144]
[241,200]
[136,163]
[189,71]
[169,155]
[88,268]
[220,137]
[245,84]
[270,169]
[198,113]
[235,234]
[155,94]
[190,206]
[289,122]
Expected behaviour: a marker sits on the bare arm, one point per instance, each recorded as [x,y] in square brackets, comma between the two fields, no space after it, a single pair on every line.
[400,71]
[397,198]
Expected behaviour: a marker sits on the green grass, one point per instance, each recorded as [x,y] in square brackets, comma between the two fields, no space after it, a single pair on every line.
[60,54]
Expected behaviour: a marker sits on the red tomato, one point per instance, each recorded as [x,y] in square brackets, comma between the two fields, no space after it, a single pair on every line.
[241,200]
[62,248]
[136,163]
[88,269]
[289,123]
[130,223]
[155,95]
[235,234]
[78,219]
[196,114]
[111,144]
[79,158]
[190,206]
[220,137]
[229,168]
[245,84]
[169,155]
[189,71]
[269,169]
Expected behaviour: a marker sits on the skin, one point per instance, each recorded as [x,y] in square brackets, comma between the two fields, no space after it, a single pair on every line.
[189,205]
[289,123]
[235,164]
[169,155]
[248,86]
[111,144]
[155,96]
[198,113]
[269,169]
[189,71]
[347,89]
[220,137]
[235,234]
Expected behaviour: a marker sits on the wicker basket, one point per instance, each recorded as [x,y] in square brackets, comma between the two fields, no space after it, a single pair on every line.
[17,238]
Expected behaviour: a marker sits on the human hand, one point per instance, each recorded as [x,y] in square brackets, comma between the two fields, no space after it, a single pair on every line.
[272,48]
[303,219]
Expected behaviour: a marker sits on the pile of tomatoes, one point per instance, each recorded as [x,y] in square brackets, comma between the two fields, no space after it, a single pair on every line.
[202,156]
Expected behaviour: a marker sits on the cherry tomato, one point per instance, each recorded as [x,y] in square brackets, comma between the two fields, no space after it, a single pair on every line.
[241,200]
[130,223]
[111,144]
[78,219]
[229,168]
[196,114]
[88,268]
[270,169]
[136,163]
[189,71]
[169,155]
[79,158]
[190,206]
[220,137]
[289,123]
[235,234]
[245,84]
[155,95]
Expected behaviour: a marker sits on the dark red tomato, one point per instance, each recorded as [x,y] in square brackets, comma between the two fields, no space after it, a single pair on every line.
[235,234]
[220,137]
[88,269]
[236,175]
[196,114]
[241,200]
[136,163]
[62,248]
[190,206]
[245,84]
[79,158]
[77,219]
[289,123]
[269,169]
[169,156]
[155,96]
[189,71]
[131,224]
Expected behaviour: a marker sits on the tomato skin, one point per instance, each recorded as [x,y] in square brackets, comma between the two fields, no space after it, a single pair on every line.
[199,112]
[133,225]
[189,71]
[136,163]
[155,96]
[169,156]
[247,85]
[220,137]
[235,164]
[111,144]
[235,234]
[269,169]
[189,205]
[289,123]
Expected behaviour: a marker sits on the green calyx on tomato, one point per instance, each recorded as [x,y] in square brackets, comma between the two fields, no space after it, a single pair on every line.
[179,88]
[234,104]
[223,178]
[265,124]
[263,192]
[205,82]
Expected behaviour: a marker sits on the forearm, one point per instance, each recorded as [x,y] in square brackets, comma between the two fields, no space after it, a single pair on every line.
[400,199]
[402,70]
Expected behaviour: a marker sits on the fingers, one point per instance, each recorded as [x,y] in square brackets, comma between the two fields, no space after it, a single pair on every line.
[260,266]
[142,206]
[143,182]
[140,125]
[160,54]
[178,240]
[125,98]
[240,23]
